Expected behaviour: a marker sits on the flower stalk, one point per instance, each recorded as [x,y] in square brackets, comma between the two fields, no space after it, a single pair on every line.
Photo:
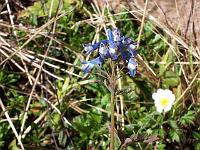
[112,90]
[116,48]
[112,133]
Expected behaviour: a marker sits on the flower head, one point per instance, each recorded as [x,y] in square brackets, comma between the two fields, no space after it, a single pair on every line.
[132,67]
[111,48]
[163,100]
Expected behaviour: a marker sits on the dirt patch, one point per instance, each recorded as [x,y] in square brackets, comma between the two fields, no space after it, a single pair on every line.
[179,15]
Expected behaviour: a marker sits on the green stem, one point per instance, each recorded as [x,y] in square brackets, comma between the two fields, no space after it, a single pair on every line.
[112,87]
[112,138]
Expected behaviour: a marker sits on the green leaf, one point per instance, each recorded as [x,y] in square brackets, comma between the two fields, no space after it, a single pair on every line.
[1,76]
[62,138]
[188,118]
[173,124]
[13,145]
[171,79]
[161,132]
[179,90]
[171,82]
[2,143]
[56,119]
[33,19]
[156,39]
[161,146]
[196,135]
[197,146]
[175,135]
[65,86]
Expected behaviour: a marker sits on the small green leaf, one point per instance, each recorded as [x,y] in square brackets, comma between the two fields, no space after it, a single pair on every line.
[56,119]
[170,82]
[188,118]
[1,76]
[161,132]
[13,145]
[161,146]
[156,39]
[196,135]
[62,138]
[174,134]
[173,124]
[179,90]
[65,86]
[197,146]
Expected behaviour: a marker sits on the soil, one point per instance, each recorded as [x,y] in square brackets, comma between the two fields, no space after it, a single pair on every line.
[178,15]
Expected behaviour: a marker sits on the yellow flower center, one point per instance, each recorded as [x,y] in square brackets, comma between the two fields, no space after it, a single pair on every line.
[164,102]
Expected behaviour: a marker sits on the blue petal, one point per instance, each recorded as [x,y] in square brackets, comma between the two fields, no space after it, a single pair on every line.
[123,52]
[110,35]
[97,61]
[130,45]
[132,53]
[110,49]
[113,51]
[104,42]
[117,35]
[88,48]
[132,67]
[103,51]
[128,41]
[132,72]
[87,66]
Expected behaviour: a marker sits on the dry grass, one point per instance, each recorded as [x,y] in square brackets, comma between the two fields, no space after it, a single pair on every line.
[34,65]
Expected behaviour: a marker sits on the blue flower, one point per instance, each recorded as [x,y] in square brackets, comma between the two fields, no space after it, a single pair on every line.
[131,46]
[113,50]
[117,35]
[112,47]
[89,48]
[132,67]
[88,65]
[104,51]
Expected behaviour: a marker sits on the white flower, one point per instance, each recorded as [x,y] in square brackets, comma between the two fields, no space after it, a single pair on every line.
[163,100]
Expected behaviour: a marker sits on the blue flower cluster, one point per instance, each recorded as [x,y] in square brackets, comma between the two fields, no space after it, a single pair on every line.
[112,48]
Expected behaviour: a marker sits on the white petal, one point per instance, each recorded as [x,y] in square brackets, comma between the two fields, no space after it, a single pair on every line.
[132,46]
[102,50]
[167,108]
[131,66]
[112,50]
[160,91]
[154,96]
[169,95]
[88,48]
[159,110]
